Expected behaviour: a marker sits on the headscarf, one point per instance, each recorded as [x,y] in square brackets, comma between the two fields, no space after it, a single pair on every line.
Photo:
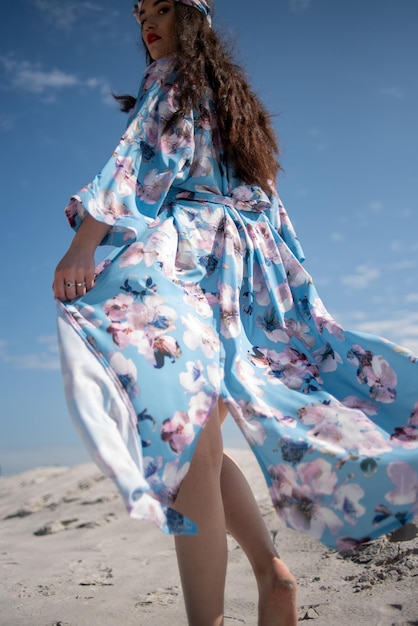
[205,6]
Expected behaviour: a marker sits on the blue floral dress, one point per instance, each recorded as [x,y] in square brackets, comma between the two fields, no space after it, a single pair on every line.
[205,296]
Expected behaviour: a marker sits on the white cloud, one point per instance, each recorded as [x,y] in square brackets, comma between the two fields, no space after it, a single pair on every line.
[402,329]
[64,14]
[46,358]
[7,123]
[394,92]
[45,83]
[362,278]
[403,265]
[411,298]
[376,206]
[31,77]
[300,5]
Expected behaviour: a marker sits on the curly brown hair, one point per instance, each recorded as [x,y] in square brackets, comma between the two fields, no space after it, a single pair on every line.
[202,62]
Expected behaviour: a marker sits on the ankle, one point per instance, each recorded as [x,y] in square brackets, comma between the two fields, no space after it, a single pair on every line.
[277,595]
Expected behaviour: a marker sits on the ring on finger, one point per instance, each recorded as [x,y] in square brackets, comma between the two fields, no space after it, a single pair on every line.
[83,284]
[68,285]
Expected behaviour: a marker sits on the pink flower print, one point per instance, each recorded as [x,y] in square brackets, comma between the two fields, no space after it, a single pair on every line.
[367,406]
[73,209]
[126,372]
[196,298]
[293,369]
[273,325]
[260,287]
[138,316]
[193,380]
[172,477]
[326,358]
[150,129]
[244,414]
[298,496]
[106,205]
[175,139]
[264,241]
[253,431]
[284,298]
[295,273]
[161,244]
[200,407]
[413,420]
[121,334]
[242,193]
[124,176]
[375,372]
[246,375]
[340,430]
[233,245]
[324,321]
[155,185]
[202,164]
[229,305]
[178,432]
[200,336]
[117,307]
[301,331]
[407,436]
[383,379]
[346,499]
[133,255]
[405,477]
[202,239]
[165,347]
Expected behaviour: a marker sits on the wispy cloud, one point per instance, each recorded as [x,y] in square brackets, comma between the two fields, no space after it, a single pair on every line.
[46,83]
[65,14]
[300,5]
[407,264]
[45,358]
[7,123]
[394,92]
[363,276]
[402,329]
[376,206]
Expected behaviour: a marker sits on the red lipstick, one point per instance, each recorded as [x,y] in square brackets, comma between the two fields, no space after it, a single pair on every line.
[152,37]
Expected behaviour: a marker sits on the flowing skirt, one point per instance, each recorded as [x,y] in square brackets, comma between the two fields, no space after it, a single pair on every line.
[212,302]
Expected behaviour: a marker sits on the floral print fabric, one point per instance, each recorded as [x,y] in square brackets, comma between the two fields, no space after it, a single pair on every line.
[205,296]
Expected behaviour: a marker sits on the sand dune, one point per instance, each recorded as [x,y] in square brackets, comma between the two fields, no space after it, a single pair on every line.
[70,556]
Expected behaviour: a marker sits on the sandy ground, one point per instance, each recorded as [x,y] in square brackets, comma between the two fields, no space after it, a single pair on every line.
[70,556]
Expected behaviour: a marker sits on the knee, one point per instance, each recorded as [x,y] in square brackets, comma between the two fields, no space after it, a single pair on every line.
[209,450]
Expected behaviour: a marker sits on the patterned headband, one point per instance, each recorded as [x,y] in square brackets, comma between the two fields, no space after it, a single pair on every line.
[205,6]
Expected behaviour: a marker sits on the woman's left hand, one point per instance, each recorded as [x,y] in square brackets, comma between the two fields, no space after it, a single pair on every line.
[74,275]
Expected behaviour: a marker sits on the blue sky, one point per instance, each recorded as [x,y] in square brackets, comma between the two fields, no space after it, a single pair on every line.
[341,79]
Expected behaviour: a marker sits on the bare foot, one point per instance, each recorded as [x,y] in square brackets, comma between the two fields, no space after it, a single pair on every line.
[277,597]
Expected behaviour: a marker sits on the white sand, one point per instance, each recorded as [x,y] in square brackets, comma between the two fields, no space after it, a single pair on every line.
[70,556]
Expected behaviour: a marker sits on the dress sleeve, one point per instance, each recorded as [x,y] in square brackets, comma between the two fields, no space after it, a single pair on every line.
[148,161]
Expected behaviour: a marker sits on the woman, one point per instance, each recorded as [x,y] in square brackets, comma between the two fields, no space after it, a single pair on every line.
[204,308]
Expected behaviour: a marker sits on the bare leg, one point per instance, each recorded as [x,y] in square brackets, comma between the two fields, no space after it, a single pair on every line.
[202,558]
[276,585]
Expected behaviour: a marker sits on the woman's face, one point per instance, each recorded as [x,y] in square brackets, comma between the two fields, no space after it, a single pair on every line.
[158,27]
